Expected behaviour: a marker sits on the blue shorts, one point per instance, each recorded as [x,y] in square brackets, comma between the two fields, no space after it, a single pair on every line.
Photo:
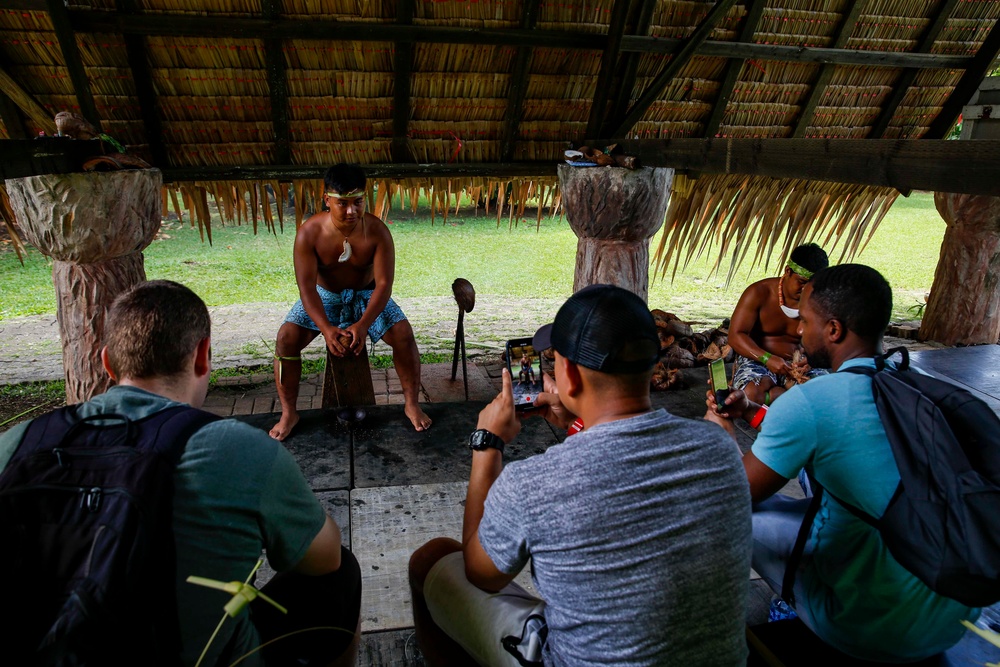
[746,371]
[345,308]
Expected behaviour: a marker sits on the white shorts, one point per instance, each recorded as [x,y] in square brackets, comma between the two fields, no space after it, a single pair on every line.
[477,620]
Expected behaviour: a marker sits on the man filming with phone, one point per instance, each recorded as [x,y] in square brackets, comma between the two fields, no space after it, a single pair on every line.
[638,527]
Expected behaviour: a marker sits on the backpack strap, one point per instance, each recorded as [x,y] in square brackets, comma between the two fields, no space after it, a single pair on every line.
[795,557]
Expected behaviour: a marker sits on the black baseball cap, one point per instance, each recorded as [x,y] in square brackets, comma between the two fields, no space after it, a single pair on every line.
[604,328]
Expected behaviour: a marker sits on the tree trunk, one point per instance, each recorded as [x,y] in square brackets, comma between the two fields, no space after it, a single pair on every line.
[614,212]
[95,225]
[964,304]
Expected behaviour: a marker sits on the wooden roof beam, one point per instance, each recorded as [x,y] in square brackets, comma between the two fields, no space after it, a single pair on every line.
[677,61]
[616,29]
[166,25]
[755,10]
[626,83]
[844,32]
[909,75]
[142,79]
[277,82]
[517,90]
[31,108]
[967,85]
[60,18]
[403,66]
[10,114]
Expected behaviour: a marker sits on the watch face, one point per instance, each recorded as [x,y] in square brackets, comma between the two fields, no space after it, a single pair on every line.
[483,439]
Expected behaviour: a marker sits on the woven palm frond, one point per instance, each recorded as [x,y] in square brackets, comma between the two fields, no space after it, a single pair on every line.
[737,214]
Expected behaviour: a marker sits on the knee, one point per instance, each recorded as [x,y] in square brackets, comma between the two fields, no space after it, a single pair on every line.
[289,340]
[400,335]
[424,558]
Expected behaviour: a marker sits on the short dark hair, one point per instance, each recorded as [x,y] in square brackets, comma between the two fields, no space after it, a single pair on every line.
[153,328]
[810,257]
[855,294]
[344,178]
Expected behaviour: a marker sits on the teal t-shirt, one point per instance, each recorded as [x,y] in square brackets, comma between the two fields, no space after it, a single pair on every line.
[861,600]
[236,492]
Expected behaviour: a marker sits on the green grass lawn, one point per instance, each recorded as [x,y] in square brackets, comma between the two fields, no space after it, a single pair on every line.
[519,262]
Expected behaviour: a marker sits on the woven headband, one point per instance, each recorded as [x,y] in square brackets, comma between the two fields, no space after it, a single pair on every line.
[346,195]
[805,273]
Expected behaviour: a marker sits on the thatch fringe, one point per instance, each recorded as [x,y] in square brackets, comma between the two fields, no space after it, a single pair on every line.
[772,216]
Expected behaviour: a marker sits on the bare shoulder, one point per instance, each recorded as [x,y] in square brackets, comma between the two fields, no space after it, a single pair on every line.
[375,228]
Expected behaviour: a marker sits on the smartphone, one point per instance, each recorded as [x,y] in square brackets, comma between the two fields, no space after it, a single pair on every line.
[720,384]
[525,368]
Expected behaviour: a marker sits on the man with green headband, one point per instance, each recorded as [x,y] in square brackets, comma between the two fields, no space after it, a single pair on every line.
[345,263]
[764,328]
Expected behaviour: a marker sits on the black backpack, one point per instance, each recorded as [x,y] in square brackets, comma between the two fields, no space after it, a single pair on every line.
[87,545]
[943,521]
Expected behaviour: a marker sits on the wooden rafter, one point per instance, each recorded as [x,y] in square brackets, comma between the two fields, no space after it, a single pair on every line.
[622,96]
[677,61]
[248,28]
[403,65]
[518,88]
[616,29]
[66,37]
[755,11]
[142,79]
[277,80]
[10,114]
[844,32]
[909,75]
[31,108]
[967,85]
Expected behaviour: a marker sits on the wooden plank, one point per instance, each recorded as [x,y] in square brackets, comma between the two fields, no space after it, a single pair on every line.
[403,65]
[59,15]
[142,79]
[733,68]
[347,381]
[909,75]
[518,87]
[10,114]
[844,32]
[286,173]
[967,85]
[677,61]
[277,80]
[622,96]
[248,28]
[609,61]
[31,108]
[971,167]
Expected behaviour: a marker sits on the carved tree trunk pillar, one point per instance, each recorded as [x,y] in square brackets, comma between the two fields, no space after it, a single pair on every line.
[614,212]
[95,226]
[964,304]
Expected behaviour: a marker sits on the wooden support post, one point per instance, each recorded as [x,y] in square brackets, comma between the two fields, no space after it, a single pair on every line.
[614,212]
[95,226]
[348,381]
[964,305]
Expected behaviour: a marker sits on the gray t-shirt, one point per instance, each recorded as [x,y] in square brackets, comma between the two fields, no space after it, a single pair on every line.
[639,535]
[236,491]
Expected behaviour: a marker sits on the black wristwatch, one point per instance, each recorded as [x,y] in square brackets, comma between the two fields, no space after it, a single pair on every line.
[482,439]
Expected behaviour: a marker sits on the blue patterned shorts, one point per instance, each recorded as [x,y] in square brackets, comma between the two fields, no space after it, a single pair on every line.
[345,308]
[750,370]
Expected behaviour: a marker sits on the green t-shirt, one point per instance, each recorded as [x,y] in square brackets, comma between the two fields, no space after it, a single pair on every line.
[236,492]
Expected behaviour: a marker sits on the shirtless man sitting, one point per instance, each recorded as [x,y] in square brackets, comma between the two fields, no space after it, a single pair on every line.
[345,263]
[764,327]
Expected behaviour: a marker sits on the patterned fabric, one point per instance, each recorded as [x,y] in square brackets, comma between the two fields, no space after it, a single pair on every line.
[345,308]
[750,370]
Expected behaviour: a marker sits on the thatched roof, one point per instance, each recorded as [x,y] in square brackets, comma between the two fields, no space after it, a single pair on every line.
[282,88]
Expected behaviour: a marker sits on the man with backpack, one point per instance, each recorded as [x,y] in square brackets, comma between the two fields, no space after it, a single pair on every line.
[848,588]
[108,506]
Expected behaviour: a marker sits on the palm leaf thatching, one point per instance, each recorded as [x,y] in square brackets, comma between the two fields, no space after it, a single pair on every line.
[758,219]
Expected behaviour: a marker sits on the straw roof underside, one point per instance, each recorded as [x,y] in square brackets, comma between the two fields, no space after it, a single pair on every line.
[213,95]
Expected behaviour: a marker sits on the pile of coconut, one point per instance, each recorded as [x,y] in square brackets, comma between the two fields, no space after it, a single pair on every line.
[681,347]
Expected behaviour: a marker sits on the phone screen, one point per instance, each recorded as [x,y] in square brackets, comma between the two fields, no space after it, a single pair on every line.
[525,368]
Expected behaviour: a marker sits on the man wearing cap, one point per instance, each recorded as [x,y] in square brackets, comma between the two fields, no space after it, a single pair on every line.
[345,263]
[637,527]
[764,328]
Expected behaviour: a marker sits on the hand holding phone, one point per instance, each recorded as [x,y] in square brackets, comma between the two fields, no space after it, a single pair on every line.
[720,383]
[524,366]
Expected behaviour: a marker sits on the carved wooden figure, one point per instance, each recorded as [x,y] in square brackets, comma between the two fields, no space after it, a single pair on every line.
[95,226]
[614,212]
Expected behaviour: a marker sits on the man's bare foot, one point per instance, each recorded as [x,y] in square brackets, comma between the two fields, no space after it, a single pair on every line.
[420,420]
[284,427]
